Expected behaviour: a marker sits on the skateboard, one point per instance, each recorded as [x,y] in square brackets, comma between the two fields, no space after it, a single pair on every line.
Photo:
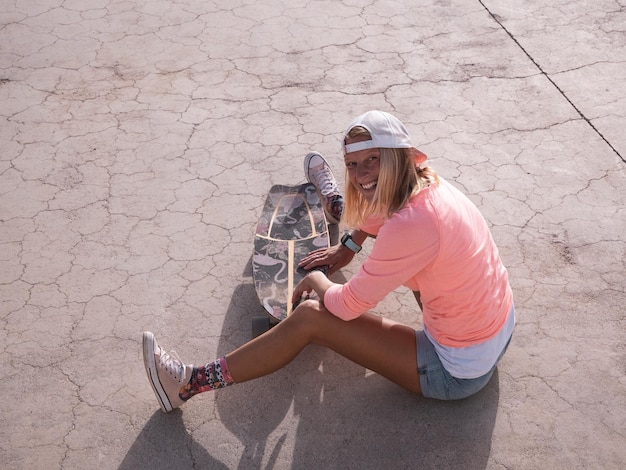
[291,225]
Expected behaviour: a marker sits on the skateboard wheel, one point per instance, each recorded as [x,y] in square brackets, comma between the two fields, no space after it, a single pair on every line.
[260,325]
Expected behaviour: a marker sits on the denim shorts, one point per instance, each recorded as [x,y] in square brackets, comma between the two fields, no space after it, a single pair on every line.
[436,382]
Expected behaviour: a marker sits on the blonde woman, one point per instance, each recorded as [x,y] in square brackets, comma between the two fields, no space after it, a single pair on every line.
[428,237]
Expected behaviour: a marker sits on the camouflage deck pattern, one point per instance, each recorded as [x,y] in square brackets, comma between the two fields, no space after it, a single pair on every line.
[292,225]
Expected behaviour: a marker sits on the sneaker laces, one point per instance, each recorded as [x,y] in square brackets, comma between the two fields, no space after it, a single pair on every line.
[325,182]
[173,365]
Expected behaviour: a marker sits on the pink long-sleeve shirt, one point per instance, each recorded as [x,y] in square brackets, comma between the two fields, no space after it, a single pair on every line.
[440,245]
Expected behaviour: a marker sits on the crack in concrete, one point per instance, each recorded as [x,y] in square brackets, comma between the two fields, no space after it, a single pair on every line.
[139,140]
[552,82]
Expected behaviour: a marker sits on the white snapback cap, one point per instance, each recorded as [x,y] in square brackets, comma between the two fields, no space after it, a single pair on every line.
[386,130]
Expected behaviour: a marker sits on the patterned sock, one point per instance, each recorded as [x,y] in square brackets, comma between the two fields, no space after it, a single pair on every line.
[212,376]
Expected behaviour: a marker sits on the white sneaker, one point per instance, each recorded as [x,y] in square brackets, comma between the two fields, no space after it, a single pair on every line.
[318,172]
[166,373]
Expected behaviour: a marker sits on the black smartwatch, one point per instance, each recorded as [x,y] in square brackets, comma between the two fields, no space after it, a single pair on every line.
[347,241]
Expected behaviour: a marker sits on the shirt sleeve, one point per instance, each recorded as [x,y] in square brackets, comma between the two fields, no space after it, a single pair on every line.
[407,243]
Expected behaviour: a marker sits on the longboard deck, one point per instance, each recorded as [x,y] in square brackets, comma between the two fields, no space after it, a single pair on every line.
[292,225]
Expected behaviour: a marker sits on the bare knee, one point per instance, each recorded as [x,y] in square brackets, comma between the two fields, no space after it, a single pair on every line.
[308,318]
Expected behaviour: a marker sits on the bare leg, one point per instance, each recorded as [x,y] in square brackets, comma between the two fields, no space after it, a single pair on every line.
[373,342]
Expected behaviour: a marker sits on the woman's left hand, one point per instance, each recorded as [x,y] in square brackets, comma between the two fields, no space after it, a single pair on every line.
[335,257]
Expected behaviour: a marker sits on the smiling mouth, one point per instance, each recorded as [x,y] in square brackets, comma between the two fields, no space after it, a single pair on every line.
[368,186]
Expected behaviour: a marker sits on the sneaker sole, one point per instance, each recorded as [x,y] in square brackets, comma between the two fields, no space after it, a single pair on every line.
[151,371]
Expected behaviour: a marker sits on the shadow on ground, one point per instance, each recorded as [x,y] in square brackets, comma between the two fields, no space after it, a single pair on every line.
[334,414]
[350,420]
[165,444]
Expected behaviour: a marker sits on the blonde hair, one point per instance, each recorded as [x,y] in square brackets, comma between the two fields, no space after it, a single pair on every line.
[398,180]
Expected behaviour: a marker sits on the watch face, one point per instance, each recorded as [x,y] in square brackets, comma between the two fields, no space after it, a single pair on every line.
[347,241]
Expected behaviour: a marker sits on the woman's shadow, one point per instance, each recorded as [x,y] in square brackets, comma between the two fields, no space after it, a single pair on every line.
[164,444]
[343,416]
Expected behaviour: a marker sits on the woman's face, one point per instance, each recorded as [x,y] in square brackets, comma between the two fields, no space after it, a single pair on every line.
[363,168]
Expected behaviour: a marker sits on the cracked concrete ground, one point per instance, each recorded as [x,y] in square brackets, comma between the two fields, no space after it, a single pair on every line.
[139,139]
